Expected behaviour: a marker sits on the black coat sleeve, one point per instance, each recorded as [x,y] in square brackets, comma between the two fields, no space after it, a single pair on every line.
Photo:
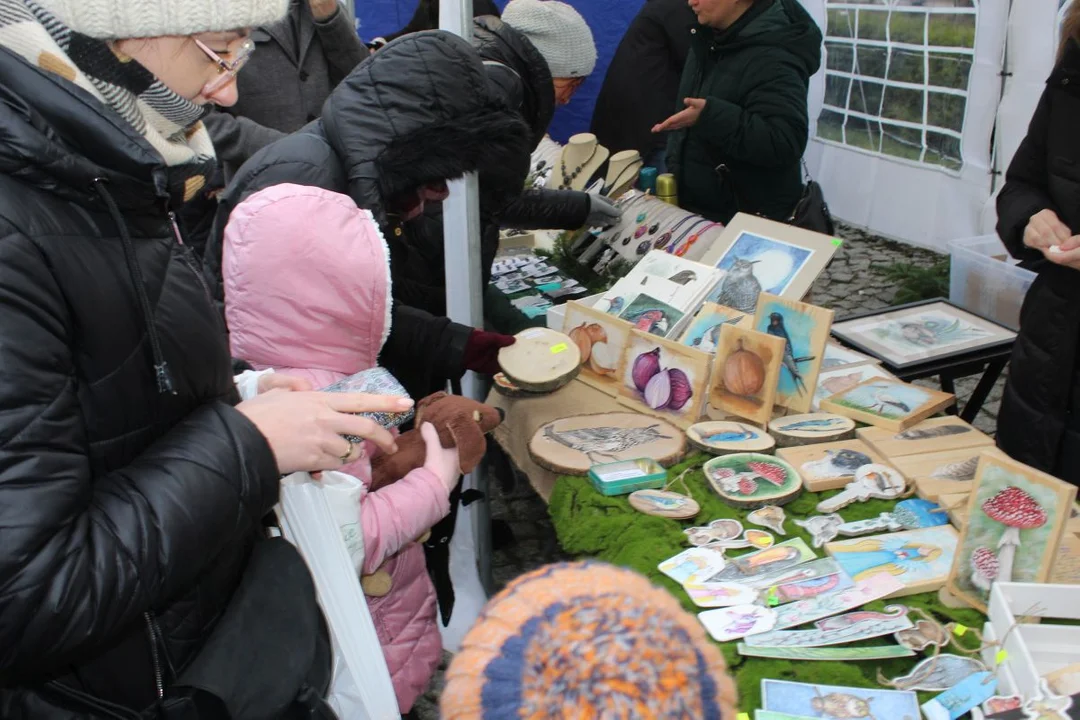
[422,350]
[341,46]
[1026,185]
[543,209]
[85,553]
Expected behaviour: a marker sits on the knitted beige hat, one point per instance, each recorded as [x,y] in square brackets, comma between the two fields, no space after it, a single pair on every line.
[115,19]
[558,31]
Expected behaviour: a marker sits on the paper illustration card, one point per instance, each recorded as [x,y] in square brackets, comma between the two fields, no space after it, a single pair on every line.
[746,373]
[838,380]
[850,627]
[717,595]
[703,332]
[663,378]
[888,404]
[914,334]
[827,654]
[653,316]
[829,466]
[602,340]
[805,329]
[836,355]
[1016,517]
[796,590]
[920,559]
[872,588]
[759,255]
[689,562]
[838,703]
[929,436]
[746,567]
[727,624]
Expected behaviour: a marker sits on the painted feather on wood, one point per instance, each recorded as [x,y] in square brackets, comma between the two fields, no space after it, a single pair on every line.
[917,433]
[964,470]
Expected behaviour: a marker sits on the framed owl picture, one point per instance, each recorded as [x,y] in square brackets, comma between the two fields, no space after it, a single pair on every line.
[759,255]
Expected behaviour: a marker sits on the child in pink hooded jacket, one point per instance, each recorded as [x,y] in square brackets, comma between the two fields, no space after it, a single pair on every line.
[307,293]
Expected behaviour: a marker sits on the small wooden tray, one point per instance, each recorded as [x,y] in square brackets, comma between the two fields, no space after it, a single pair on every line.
[811,429]
[724,437]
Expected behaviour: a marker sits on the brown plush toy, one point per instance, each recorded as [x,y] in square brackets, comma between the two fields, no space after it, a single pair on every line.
[461,423]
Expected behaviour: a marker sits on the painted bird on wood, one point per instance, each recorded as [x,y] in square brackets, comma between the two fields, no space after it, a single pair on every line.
[739,288]
[791,363]
[604,442]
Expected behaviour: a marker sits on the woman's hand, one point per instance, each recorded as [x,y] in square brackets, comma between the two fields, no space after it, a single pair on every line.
[445,463]
[684,118]
[305,429]
[1067,258]
[273,381]
[1045,230]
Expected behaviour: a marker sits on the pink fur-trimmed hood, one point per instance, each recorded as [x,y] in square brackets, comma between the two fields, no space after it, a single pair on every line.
[307,281]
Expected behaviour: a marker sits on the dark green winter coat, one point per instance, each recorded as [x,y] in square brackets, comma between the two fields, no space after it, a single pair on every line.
[744,153]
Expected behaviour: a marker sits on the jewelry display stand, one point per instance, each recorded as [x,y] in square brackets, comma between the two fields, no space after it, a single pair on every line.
[582,157]
[623,170]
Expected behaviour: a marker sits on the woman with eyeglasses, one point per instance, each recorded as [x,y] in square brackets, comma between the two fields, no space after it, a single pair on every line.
[135,577]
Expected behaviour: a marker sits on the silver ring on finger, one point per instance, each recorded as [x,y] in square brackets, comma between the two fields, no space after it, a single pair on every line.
[348,452]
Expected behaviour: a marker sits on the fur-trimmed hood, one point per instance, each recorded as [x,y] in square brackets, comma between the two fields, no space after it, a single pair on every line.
[418,111]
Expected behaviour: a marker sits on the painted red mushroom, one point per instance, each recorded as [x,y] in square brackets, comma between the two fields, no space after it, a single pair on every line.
[769,471]
[984,568]
[1016,510]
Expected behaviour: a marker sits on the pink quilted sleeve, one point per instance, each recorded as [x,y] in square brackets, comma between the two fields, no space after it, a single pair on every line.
[398,514]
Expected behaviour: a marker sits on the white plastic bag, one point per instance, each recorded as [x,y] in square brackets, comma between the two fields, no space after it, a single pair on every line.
[361,686]
[343,492]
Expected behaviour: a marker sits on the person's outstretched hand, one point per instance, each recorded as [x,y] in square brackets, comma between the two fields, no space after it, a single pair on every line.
[274,381]
[482,351]
[444,463]
[1045,230]
[602,212]
[684,118]
[305,429]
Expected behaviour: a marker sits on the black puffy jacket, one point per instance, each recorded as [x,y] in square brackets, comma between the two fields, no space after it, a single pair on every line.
[1039,423]
[521,75]
[420,110]
[122,507]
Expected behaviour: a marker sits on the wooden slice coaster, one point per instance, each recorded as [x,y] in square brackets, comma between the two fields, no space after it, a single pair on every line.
[541,361]
[811,429]
[723,438]
[753,480]
[506,388]
[570,446]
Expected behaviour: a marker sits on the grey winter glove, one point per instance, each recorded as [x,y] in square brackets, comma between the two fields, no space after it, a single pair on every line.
[602,212]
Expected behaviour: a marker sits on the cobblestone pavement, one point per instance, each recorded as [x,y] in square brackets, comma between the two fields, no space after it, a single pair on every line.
[848,286]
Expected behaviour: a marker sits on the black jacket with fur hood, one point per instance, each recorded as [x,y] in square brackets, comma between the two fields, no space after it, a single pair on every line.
[419,111]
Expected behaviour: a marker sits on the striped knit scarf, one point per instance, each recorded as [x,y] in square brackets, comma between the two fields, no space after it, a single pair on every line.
[170,123]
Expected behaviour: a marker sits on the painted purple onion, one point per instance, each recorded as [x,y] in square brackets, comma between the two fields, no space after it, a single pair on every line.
[646,366]
[658,390]
[681,392]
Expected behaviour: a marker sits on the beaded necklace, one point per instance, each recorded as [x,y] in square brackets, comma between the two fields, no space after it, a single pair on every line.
[568,180]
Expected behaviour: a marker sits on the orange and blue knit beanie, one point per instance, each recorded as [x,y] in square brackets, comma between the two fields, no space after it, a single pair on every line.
[587,640]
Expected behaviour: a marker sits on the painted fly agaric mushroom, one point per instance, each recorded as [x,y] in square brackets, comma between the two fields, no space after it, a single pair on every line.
[984,568]
[1016,510]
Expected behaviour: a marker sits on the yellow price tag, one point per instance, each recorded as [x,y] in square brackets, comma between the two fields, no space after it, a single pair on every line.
[1001,656]
[560,348]
[743,716]
[960,630]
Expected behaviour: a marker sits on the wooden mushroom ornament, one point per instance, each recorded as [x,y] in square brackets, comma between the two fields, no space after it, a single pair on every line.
[985,568]
[1016,510]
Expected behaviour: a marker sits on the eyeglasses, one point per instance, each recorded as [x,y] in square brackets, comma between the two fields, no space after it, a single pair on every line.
[227,69]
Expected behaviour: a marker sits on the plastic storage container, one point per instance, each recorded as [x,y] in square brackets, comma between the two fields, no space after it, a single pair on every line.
[985,280]
[622,478]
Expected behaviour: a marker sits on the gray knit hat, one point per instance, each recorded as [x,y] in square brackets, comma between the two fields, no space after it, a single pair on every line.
[558,31]
[114,19]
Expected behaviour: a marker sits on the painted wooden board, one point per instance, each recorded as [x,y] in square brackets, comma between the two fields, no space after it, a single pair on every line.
[1016,517]
[955,466]
[753,480]
[888,404]
[703,332]
[839,379]
[932,490]
[850,627]
[805,329]
[836,355]
[929,436]
[1066,568]
[873,588]
[827,654]
[746,373]
[663,378]
[542,360]
[829,466]
[811,429]
[723,438]
[602,339]
[919,559]
[572,445]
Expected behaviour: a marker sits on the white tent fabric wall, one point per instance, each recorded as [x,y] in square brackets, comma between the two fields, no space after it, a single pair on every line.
[902,143]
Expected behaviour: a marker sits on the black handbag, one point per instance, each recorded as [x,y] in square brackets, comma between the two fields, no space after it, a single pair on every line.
[810,213]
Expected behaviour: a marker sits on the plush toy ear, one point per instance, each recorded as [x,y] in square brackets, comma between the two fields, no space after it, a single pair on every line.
[425,403]
[469,440]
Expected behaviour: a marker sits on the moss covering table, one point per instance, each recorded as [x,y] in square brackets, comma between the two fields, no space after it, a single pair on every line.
[607,528]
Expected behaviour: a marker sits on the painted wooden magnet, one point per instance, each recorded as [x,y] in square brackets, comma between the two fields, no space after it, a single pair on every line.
[938,673]
[751,480]
[664,503]
[756,539]
[879,482]
[541,361]
[683,566]
[720,594]
[796,590]
[717,530]
[919,559]
[572,445]
[769,516]
[1002,703]
[505,387]
[779,557]
[734,623]
[925,634]
[811,429]
[911,514]
[723,438]
[823,606]
[889,404]
[848,628]
[822,528]
[961,699]
[829,466]
[827,654]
